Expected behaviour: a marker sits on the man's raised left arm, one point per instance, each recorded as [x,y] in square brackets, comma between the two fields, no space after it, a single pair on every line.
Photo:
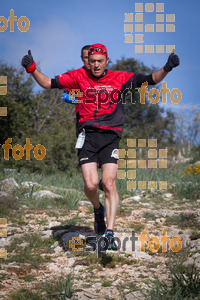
[173,61]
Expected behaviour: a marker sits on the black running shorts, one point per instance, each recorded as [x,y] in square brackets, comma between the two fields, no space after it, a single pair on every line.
[100,147]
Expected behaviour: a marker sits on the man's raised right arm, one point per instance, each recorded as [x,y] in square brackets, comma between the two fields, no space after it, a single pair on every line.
[30,66]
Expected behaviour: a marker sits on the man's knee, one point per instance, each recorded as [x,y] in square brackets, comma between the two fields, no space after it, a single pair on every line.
[109,185]
[91,185]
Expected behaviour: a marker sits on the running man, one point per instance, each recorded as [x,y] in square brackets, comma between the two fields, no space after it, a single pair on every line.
[101,118]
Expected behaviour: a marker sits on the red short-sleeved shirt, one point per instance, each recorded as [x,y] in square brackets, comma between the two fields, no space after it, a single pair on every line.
[101,105]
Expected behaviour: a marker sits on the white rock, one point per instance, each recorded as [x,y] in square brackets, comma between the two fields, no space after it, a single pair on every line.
[9,184]
[197,260]
[71,262]
[54,245]
[27,184]
[54,223]
[196,255]
[78,268]
[126,200]
[46,234]
[142,193]
[23,245]
[10,171]
[181,159]
[58,249]
[84,203]
[66,270]
[195,243]
[24,206]
[2,242]
[53,267]
[197,265]
[96,285]
[168,195]
[146,204]
[4,194]
[44,193]
[136,198]
[190,261]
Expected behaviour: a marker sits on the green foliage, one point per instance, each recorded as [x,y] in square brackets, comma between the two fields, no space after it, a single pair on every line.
[108,260]
[62,289]
[137,226]
[36,242]
[107,283]
[43,118]
[25,294]
[183,220]
[20,102]
[188,188]
[195,154]
[31,253]
[25,256]
[8,206]
[195,235]
[149,215]
[184,284]
[28,278]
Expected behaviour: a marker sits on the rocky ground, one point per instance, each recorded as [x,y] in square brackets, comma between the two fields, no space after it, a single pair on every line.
[39,253]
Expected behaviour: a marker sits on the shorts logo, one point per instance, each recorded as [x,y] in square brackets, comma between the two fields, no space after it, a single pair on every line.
[84,158]
[115,154]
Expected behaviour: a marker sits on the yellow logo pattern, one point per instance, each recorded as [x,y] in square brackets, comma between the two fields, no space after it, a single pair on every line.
[127,163]
[3,233]
[76,241]
[164,22]
[75,93]
[3,91]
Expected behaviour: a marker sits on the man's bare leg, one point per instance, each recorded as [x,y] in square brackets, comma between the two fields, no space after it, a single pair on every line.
[109,174]
[90,177]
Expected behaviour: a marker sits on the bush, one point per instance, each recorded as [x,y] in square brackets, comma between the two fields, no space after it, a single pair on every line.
[184,283]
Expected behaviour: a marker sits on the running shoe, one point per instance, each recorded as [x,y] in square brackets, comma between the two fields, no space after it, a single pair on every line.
[111,241]
[99,223]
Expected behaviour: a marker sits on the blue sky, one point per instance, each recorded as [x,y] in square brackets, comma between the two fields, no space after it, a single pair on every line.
[58,30]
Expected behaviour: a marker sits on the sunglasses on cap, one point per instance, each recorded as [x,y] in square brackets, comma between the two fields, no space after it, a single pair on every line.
[97,49]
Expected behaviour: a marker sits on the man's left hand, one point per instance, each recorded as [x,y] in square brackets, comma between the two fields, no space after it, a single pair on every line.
[173,61]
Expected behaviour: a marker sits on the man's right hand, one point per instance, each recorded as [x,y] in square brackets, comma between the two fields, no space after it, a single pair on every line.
[28,62]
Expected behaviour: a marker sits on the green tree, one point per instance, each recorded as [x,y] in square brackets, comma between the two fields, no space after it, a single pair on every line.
[42,117]
[55,129]
[19,102]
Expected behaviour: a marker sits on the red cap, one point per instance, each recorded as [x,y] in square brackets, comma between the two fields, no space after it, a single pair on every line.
[98,49]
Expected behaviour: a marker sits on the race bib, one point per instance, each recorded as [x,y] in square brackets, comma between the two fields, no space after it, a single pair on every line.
[80,140]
